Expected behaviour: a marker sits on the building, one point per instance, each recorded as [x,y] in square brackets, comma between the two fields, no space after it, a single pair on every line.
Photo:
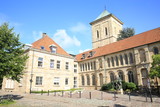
[49,67]
[128,59]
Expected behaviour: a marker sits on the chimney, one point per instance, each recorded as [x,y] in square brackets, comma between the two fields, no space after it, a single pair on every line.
[43,35]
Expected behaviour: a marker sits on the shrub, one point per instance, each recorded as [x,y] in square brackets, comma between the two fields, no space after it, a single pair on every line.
[131,86]
[107,86]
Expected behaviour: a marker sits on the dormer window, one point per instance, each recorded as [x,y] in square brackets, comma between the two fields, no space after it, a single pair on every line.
[53,48]
[83,56]
[90,54]
[42,47]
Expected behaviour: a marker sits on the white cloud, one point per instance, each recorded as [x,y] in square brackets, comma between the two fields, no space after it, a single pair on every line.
[36,35]
[64,40]
[80,28]
[81,51]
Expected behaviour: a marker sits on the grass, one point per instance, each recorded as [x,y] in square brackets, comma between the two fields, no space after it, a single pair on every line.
[73,89]
[6,102]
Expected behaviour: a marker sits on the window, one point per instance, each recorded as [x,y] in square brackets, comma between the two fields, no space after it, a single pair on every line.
[91,66]
[66,81]
[88,66]
[156,51]
[117,62]
[130,76]
[94,65]
[83,56]
[100,63]
[9,83]
[40,62]
[112,61]
[112,77]
[42,47]
[90,54]
[67,65]
[75,82]
[106,31]
[39,80]
[56,81]
[131,58]
[82,80]
[108,60]
[126,58]
[120,74]
[88,80]
[97,34]
[75,68]
[81,67]
[142,55]
[101,79]
[58,64]
[51,63]
[53,48]
[93,80]
[121,59]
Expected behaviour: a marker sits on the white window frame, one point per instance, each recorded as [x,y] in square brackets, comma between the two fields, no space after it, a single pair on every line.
[40,62]
[66,81]
[58,64]
[51,63]
[39,80]
[56,81]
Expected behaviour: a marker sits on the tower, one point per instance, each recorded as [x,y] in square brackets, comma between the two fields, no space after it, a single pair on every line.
[105,29]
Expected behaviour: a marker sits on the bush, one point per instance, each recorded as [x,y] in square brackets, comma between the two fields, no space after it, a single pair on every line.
[107,87]
[131,86]
[125,85]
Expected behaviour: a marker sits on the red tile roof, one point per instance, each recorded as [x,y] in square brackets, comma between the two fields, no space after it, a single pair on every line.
[131,42]
[46,41]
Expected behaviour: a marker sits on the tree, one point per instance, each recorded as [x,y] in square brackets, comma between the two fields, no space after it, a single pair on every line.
[155,69]
[125,33]
[12,57]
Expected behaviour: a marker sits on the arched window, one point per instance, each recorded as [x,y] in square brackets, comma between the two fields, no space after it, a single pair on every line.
[130,76]
[88,66]
[121,59]
[97,34]
[88,80]
[156,51]
[144,75]
[100,63]
[126,58]
[112,61]
[112,78]
[142,55]
[108,60]
[131,58]
[120,74]
[93,79]
[106,31]
[101,79]
[117,63]
[82,80]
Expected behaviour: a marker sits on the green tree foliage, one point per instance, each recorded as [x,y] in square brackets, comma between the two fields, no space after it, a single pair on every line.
[12,57]
[125,33]
[125,85]
[155,69]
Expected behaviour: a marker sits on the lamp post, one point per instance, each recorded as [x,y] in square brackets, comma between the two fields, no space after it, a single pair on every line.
[31,80]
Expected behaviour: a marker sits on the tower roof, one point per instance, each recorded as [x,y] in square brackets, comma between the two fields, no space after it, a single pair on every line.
[103,14]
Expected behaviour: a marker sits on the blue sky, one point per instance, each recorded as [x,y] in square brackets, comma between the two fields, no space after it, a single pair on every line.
[67,21]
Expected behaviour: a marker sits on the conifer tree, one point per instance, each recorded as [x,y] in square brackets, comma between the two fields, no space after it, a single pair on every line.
[125,33]
[12,56]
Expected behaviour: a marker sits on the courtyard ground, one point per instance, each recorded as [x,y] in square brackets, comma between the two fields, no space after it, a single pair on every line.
[98,99]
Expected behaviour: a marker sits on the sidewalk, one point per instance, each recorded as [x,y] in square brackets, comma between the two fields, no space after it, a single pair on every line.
[37,100]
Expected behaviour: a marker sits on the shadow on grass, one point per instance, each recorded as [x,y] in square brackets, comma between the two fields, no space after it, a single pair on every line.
[11,96]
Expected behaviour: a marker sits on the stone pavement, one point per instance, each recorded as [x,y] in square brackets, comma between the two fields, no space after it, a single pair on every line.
[38,100]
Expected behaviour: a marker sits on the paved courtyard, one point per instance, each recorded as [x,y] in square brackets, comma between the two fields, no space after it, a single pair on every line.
[98,99]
